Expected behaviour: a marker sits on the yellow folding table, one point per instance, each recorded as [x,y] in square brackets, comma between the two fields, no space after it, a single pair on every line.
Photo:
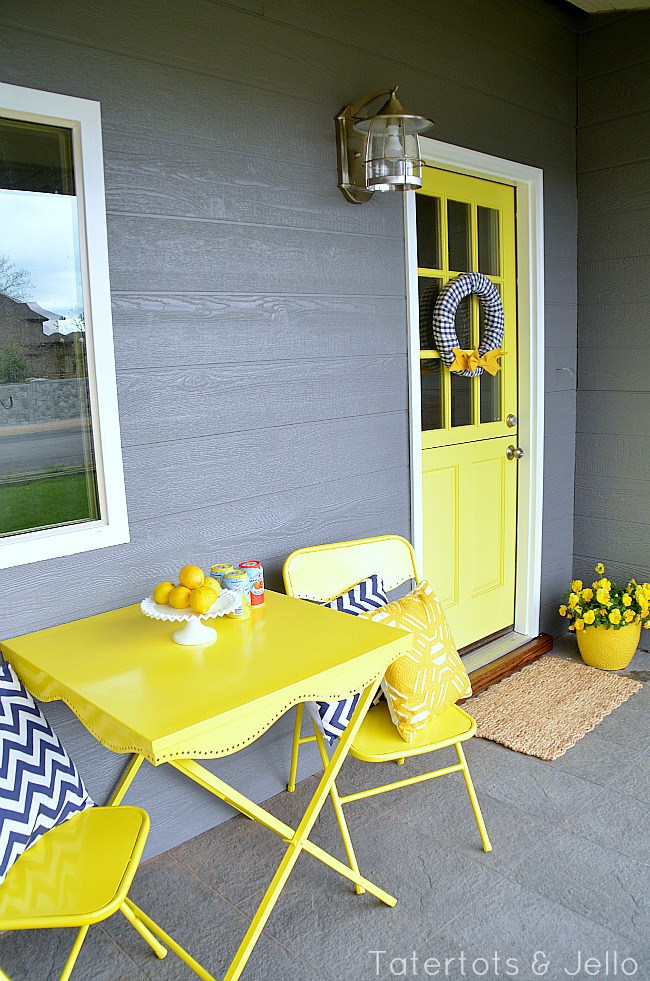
[138,692]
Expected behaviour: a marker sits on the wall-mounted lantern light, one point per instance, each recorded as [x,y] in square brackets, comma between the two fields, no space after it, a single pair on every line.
[380,152]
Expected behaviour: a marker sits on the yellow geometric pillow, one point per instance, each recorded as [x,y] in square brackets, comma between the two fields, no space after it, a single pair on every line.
[421,684]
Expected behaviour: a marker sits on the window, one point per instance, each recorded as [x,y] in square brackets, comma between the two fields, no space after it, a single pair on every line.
[61,479]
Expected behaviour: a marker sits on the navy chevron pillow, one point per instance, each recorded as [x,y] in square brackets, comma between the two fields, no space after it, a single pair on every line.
[332,718]
[39,784]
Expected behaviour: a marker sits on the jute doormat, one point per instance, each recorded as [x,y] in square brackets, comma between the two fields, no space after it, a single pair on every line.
[545,708]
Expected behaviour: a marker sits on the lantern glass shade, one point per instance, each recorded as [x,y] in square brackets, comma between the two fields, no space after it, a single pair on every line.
[393,160]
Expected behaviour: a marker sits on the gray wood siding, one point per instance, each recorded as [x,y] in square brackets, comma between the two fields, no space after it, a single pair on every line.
[239,272]
[612,493]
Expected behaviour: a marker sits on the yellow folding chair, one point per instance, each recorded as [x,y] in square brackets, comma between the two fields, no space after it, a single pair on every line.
[79,873]
[322,572]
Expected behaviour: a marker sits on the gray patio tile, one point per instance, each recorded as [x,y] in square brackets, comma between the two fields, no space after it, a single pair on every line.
[602,885]
[39,955]
[320,912]
[566,646]
[635,780]
[596,759]
[531,785]
[627,726]
[236,859]
[615,821]
[442,810]
[203,922]
[515,922]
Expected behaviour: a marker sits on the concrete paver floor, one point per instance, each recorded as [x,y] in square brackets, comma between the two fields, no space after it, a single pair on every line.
[564,893]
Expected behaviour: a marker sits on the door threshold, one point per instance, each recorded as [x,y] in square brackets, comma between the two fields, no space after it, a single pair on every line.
[507,662]
[494,649]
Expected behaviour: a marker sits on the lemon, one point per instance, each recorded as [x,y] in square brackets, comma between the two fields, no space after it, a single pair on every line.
[213,584]
[191,576]
[162,591]
[202,598]
[179,597]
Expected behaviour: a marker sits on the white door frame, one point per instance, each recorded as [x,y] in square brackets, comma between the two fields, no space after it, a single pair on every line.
[528,184]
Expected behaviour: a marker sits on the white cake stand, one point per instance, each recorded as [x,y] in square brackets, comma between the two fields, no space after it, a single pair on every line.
[194,633]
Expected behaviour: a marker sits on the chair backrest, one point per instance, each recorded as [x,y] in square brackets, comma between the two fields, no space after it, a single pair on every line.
[321,572]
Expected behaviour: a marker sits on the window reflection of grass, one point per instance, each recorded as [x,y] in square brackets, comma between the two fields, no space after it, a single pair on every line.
[44,502]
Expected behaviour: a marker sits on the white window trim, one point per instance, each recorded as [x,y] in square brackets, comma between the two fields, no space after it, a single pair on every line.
[83,118]
[528,184]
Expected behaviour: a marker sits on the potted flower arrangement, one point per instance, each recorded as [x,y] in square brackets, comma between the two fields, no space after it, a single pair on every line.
[607,619]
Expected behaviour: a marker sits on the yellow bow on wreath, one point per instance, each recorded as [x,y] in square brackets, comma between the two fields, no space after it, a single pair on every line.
[471,360]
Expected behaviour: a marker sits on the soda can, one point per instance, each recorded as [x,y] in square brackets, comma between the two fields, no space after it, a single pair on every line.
[256,577]
[237,582]
[220,570]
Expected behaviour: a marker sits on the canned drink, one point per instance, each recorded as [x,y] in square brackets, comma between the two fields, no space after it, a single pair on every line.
[256,577]
[220,570]
[237,582]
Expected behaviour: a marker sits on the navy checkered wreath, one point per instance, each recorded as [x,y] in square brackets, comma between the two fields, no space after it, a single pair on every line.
[444,315]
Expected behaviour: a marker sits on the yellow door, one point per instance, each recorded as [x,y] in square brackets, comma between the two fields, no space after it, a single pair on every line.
[469,483]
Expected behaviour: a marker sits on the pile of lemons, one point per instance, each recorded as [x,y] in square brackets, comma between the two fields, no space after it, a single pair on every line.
[196,591]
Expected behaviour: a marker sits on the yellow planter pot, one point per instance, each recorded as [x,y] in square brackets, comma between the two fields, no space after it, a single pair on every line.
[610,649]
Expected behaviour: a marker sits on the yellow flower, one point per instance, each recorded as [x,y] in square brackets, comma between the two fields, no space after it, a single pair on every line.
[580,624]
[573,601]
[602,595]
[589,616]
[646,625]
[615,616]
[629,616]
[605,583]
[562,610]
[600,568]
[571,627]
[627,599]
[576,585]
[587,594]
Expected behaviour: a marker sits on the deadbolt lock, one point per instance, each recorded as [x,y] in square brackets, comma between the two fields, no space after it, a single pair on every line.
[514,452]
[511,420]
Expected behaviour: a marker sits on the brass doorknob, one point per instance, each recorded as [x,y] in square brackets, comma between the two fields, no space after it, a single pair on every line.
[514,452]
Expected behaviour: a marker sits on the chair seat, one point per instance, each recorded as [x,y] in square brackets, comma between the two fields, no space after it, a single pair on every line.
[378,739]
[78,873]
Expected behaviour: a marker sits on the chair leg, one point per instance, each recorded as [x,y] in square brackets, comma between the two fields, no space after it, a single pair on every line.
[74,953]
[338,810]
[487,847]
[171,943]
[146,934]
[295,748]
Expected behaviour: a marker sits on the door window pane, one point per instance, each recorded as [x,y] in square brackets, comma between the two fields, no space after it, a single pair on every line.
[428,290]
[431,393]
[461,400]
[47,467]
[459,233]
[490,384]
[490,397]
[488,241]
[427,210]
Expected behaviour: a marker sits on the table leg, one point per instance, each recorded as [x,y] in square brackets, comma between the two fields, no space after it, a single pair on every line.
[298,839]
[126,780]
